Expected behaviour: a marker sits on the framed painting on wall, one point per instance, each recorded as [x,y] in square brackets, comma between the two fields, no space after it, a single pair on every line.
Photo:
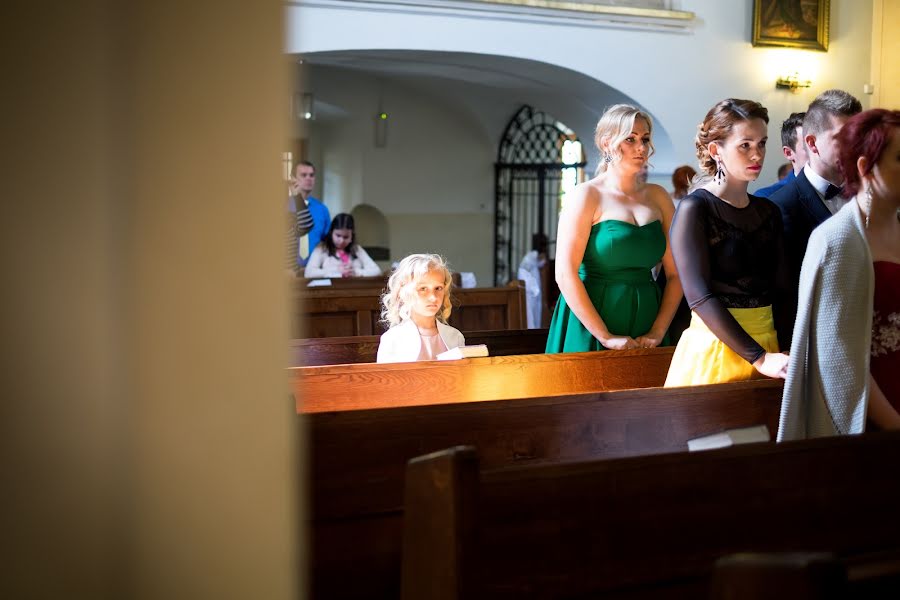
[791,23]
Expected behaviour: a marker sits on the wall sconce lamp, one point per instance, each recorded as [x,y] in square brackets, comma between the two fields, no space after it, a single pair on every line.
[792,82]
[302,107]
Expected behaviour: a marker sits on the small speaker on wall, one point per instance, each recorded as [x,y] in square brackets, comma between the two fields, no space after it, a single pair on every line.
[381,129]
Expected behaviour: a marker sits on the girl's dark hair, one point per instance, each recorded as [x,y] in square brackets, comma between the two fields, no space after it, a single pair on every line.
[341,221]
[719,122]
[681,180]
[866,134]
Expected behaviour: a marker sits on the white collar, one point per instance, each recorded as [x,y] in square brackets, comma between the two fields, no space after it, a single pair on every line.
[819,183]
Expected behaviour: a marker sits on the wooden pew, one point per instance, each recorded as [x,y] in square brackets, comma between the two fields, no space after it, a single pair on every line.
[807,576]
[324,312]
[371,385]
[364,348]
[358,458]
[645,527]
[378,282]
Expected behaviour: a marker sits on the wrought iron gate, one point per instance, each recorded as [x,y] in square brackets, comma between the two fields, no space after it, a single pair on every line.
[527,192]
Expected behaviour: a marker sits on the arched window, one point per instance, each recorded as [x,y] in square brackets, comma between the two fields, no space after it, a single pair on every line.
[538,161]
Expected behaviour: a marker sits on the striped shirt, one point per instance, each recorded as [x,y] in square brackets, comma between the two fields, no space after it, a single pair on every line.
[298,226]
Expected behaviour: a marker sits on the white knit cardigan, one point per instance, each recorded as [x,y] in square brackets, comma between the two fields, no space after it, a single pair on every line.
[827,387]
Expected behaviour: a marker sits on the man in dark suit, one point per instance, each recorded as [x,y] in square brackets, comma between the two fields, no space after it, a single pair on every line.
[814,194]
[794,149]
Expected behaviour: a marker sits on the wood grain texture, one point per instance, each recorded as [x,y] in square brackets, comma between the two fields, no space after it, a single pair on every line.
[359,456]
[324,312]
[322,351]
[361,386]
[808,576]
[794,575]
[379,282]
[439,483]
[652,527]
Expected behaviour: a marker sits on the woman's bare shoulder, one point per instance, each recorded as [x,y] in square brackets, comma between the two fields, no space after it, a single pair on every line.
[584,196]
[657,193]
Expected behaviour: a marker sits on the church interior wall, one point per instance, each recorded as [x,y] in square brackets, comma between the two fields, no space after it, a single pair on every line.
[676,76]
[435,167]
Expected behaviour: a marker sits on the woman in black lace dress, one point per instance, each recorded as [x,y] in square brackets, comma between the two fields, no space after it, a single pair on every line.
[729,252]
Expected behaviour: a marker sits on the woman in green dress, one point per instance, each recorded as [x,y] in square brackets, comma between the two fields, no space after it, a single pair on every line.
[612,231]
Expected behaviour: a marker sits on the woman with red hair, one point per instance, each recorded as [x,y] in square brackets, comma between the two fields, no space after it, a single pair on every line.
[846,342]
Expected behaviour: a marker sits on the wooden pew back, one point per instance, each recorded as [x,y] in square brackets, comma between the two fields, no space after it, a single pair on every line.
[359,456]
[645,527]
[323,312]
[378,282]
[365,386]
[807,576]
[364,348]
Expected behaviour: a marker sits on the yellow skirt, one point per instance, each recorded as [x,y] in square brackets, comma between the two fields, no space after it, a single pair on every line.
[701,358]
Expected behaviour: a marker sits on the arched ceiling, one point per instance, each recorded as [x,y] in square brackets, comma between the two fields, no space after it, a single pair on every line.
[488,88]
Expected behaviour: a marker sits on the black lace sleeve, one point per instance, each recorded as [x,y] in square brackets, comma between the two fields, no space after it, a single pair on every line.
[690,248]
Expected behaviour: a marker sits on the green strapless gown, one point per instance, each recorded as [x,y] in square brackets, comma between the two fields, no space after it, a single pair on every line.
[616,274]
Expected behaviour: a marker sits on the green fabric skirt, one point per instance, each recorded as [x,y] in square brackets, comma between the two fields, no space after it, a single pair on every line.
[628,304]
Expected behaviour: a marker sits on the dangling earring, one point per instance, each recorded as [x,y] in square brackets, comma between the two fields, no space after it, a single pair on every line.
[868,192]
[720,172]
[607,158]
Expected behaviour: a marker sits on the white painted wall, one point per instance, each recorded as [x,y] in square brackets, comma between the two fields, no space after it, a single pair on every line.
[437,162]
[676,76]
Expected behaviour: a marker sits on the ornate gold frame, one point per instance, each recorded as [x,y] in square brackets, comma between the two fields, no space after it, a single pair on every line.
[820,43]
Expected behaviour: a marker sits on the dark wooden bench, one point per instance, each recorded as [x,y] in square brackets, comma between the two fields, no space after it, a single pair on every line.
[358,458]
[364,348]
[324,312]
[377,282]
[372,385]
[645,527]
[807,576]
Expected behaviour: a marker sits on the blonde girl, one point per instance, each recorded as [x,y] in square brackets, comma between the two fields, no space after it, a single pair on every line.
[416,307]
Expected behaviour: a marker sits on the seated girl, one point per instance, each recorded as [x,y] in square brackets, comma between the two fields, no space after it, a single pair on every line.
[416,307]
[338,254]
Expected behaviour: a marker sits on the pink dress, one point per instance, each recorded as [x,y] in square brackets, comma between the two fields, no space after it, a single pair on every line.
[885,365]
[432,345]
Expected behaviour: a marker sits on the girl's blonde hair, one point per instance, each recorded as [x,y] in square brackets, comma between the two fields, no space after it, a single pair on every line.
[401,289]
[614,126]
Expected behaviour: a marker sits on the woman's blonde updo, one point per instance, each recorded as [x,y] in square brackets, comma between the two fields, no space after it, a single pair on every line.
[614,126]
[719,122]
[397,301]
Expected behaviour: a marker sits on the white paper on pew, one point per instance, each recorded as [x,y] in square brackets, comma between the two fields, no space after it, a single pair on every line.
[464,352]
[730,437]
[467,279]
[318,282]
